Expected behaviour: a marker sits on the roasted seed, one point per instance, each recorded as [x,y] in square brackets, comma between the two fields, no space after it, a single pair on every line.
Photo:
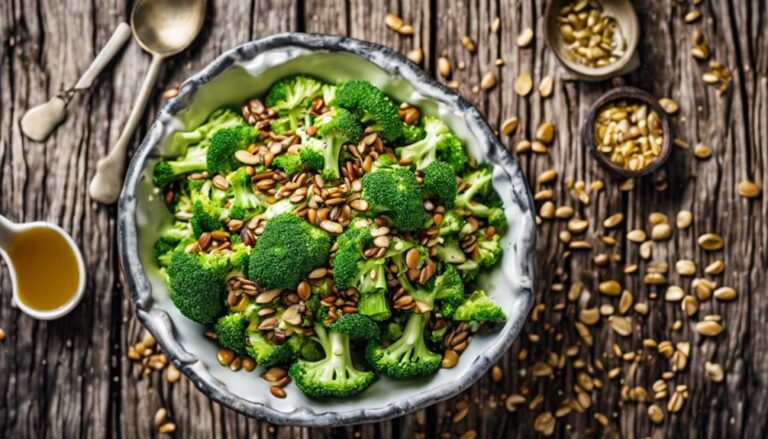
[488,81]
[415,56]
[714,371]
[444,67]
[715,268]
[711,241]
[450,359]
[523,84]
[668,105]
[685,267]
[546,86]
[277,391]
[509,126]
[709,328]
[725,294]
[613,220]
[225,356]
[525,37]
[610,288]
[661,232]
[684,219]
[748,189]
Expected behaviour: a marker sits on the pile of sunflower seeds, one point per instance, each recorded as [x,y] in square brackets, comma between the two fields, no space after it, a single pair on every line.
[629,134]
[592,38]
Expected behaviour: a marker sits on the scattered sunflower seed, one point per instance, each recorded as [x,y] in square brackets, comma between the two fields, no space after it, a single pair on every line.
[523,84]
[748,189]
[525,37]
[509,126]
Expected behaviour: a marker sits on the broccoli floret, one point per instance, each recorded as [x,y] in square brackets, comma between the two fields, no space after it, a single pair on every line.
[452,151]
[197,285]
[206,216]
[292,95]
[335,376]
[371,105]
[395,191]
[452,224]
[221,118]
[334,130]
[167,171]
[230,330]
[439,183]
[245,203]
[286,251]
[439,143]
[445,291]
[307,348]
[479,308]
[289,163]
[468,270]
[267,353]
[407,357]
[489,249]
[312,158]
[450,252]
[225,142]
[171,238]
[412,133]
[352,269]
[481,186]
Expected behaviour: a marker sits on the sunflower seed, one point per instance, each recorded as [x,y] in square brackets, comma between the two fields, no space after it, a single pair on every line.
[655,414]
[613,220]
[415,56]
[715,268]
[610,288]
[547,176]
[748,189]
[509,126]
[692,16]
[668,105]
[523,84]
[525,37]
[636,235]
[546,86]
[702,151]
[684,219]
[545,133]
[661,232]
[488,81]
[685,267]
[711,241]
[621,325]
[725,294]
[444,67]
[709,328]
[714,371]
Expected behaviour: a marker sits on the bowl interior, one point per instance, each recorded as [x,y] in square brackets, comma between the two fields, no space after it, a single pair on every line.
[626,17]
[250,76]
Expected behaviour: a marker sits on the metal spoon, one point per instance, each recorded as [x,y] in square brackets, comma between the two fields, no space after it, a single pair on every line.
[163,28]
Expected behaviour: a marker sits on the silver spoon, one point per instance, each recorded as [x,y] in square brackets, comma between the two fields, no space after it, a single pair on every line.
[40,121]
[163,28]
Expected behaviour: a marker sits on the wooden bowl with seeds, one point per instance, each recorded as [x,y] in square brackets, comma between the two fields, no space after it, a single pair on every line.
[595,39]
[628,132]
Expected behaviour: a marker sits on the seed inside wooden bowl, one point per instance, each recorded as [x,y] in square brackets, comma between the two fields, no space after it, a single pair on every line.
[629,134]
[590,37]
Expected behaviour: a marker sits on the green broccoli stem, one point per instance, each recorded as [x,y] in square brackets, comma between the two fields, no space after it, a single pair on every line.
[331,155]
[412,339]
[374,305]
[294,116]
[337,353]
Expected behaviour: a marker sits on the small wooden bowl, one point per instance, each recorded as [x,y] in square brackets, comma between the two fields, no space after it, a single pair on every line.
[627,94]
[626,17]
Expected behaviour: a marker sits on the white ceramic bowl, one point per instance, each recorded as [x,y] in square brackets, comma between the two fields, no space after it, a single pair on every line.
[245,72]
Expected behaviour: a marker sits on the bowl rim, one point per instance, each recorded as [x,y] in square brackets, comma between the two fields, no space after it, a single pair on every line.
[159,323]
[630,94]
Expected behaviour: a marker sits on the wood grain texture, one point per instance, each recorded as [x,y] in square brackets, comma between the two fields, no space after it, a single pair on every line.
[71,378]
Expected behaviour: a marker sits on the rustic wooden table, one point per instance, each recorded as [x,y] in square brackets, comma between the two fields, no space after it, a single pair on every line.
[71,377]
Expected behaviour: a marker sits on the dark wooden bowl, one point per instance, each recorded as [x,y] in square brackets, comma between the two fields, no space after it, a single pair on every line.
[627,94]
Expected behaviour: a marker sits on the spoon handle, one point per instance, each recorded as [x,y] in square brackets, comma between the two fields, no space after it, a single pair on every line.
[114,44]
[106,184]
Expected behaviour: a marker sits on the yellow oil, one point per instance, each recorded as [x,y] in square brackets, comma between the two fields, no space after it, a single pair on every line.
[47,275]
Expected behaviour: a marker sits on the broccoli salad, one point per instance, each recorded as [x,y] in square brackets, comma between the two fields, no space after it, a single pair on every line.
[332,233]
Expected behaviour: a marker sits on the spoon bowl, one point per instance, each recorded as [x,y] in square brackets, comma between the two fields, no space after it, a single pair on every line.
[163,28]
[167,27]
[8,232]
